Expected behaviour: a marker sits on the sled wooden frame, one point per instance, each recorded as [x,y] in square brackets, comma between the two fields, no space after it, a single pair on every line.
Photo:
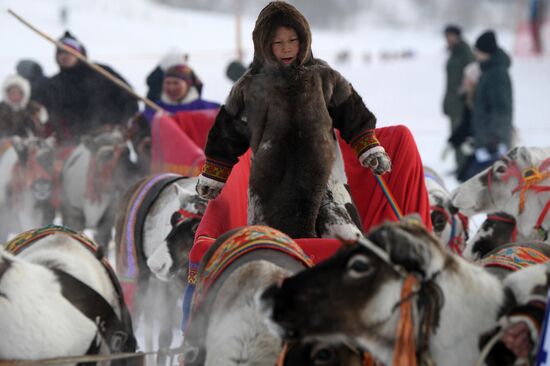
[92,358]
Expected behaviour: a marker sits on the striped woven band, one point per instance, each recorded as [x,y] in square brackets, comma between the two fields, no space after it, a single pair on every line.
[216,170]
[364,141]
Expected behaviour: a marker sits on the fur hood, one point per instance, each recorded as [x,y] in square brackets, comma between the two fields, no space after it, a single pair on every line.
[279,14]
[23,84]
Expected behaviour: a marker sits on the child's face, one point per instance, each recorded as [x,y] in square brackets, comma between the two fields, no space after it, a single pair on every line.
[15,95]
[286,45]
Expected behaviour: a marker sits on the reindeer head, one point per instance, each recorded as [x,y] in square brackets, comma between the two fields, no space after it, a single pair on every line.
[31,182]
[498,188]
[171,257]
[355,293]
[497,229]
[112,168]
[449,225]
[322,354]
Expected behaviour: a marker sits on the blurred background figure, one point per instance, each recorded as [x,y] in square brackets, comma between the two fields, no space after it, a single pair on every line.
[156,77]
[462,139]
[181,91]
[460,55]
[80,100]
[32,71]
[18,114]
[537,11]
[492,113]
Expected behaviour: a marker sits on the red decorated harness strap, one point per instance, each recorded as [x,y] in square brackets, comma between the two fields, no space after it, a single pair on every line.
[528,180]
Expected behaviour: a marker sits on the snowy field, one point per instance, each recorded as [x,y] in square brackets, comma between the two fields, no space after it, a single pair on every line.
[132,35]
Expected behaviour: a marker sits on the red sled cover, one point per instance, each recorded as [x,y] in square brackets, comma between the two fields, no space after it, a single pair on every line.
[179,141]
[406,183]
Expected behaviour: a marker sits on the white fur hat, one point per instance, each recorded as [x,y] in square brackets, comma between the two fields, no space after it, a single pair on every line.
[21,83]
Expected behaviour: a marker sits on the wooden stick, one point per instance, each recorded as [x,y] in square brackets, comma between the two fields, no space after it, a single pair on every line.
[238,31]
[84,59]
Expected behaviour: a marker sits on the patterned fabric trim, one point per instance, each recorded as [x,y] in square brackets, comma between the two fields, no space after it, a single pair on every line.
[244,241]
[216,170]
[25,239]
[185,170]
[364,141]
[129,257]
[514,258]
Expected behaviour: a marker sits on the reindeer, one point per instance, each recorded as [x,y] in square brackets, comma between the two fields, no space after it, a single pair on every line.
[93,177]
[226,327]
[356,295]
[449,225]
[46,296]
[26,185]
[156,209]
[514,184]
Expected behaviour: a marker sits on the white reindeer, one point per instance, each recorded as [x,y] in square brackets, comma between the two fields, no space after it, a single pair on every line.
[156,311]
[449,225]
[43,296]
[517,184]
[227,328]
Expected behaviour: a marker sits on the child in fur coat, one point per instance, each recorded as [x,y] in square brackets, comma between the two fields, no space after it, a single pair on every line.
[285,109]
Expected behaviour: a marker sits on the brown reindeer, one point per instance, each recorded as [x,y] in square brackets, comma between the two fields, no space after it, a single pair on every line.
[357,295]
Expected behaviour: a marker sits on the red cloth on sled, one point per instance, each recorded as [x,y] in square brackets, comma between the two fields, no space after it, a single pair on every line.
[179,141]
[196,124]
[406,182]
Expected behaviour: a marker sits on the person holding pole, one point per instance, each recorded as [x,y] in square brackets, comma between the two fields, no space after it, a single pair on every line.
[80,100]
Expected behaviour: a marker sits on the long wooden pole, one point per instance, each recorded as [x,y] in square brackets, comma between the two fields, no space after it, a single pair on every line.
[238,30]
[84,59]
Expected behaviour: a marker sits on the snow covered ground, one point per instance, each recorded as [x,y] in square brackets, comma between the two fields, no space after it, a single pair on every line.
[132,35]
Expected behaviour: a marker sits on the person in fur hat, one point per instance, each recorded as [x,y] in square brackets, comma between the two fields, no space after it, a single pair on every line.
[81,101]
[18,114]
[181,91]
[285,108]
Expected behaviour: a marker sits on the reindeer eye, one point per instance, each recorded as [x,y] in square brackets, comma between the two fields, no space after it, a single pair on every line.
[501,169]
[322,355]
[359,266]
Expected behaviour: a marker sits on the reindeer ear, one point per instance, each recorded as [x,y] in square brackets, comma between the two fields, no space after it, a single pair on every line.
[21,148]
[17,144]
[88,141]
[404,249]
[183,194]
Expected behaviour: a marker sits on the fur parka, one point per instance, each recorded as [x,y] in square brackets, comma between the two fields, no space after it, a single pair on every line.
[286,115]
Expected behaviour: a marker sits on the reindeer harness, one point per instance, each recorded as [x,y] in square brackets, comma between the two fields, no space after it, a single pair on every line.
[528,180]
[117,333]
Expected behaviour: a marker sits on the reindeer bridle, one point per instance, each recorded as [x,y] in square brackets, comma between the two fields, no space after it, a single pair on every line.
[456,241]
[508,220]
[430,298]
[98,179]
[528,180]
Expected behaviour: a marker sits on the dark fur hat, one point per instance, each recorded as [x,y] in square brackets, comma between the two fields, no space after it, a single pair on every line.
[487,42]
[280,14]
[453,29]
[70,41]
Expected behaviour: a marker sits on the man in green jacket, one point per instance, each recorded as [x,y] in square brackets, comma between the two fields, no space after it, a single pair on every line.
[454,103]
[492,115]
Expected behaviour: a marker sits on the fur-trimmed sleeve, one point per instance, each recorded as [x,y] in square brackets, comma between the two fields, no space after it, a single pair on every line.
[350,116]
[228,138]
